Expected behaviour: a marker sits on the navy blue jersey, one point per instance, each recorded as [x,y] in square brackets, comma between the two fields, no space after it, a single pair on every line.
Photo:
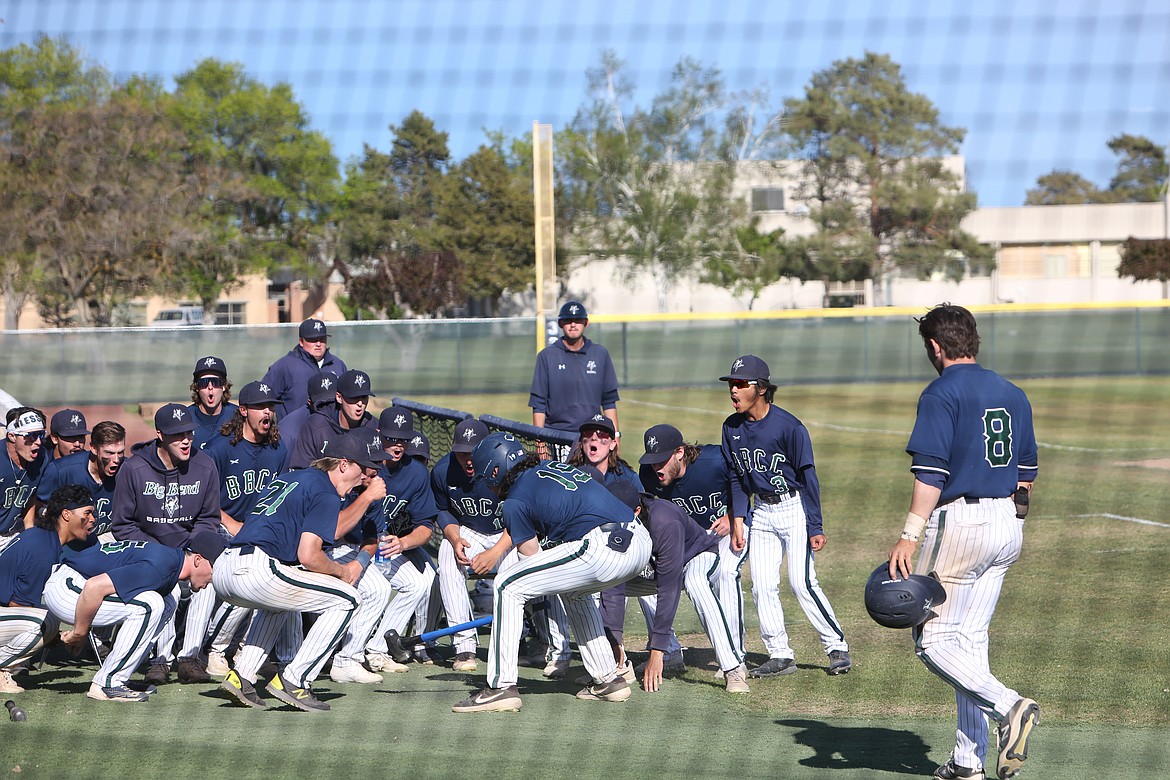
[245,469]
[676,539]
[292,423]
[207,425]
[570,387]
[557,502]
[25,566]
[621,474]
[408,504]
[134,566]
[703,491]
[297,502]
[74,470]
[973,436]
[772,456]
[460,499]
[322,426]
[18,485]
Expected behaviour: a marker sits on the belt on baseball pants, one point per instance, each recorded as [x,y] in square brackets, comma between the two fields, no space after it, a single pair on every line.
[974,500]
[248,549]
[772,498]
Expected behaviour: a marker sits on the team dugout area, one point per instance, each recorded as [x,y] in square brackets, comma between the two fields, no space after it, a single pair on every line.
[418,358]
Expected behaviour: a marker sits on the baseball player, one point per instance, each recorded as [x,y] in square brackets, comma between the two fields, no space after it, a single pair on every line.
[95,468]
[130,584]
[698,480]
[249,453]
[211,393]
[277,564]
[574,378]
[771,455]
[289,376]
[168,493]
[972,450]
[322,390]
[467,510]
[590,541]
[419,448]
[25,566]
[346,413]
[67,433]
[684,556]
[20,470]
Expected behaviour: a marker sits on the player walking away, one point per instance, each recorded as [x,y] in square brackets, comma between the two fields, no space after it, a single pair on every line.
[67,433]
[25,566]
[771,455]
[697,479]
[132,585]
[96,469]
[684,556]
[211,393]
[346,413]
[972,450]
[590,541]
[167,494]
[574,378]
[467,510]
[322,390]
[289,376]
[277,564]
[20,470]
[249,452]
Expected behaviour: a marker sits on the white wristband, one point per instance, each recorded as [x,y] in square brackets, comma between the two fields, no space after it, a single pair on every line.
[915,524]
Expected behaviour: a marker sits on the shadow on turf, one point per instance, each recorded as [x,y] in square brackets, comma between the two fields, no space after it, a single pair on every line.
[879,749]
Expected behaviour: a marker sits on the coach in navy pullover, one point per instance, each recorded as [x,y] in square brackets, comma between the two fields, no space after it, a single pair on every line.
[574,378]
[170,490]
[289,376]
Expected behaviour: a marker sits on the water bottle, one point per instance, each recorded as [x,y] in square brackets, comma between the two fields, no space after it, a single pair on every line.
[379,556]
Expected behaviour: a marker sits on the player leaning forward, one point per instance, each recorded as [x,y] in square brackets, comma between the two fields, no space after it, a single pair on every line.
[972,448]
[591,541]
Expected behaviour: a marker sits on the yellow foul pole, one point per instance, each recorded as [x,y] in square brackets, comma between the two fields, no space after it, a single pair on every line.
[546,262]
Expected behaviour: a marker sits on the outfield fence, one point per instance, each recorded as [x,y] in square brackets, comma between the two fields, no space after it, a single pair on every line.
[416,358]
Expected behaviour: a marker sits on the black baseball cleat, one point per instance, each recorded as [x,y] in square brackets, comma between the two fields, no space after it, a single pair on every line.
[839,662]
[158,674]
[1014,731]
[774,667]
[301,698]
[192,670]
[491,700]
[242,691]
[952,771]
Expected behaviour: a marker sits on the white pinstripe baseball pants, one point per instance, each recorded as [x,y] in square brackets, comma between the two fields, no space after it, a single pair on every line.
[453,584]
[699,576]
[729,589]
[970,546]
[576,570]
[274,589]
[196,626]
[375,593]
[413,587]
[140,620]
[22,633]
[231,620]
[778,530]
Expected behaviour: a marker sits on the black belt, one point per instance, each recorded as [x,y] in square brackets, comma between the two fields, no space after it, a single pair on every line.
[772,498]
[610,527]
[974,500]
[246,549]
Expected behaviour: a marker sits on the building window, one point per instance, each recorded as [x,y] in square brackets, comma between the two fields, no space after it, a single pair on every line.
[767,199]
[230,313]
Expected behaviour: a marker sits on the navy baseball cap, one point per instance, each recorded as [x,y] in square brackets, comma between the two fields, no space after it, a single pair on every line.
[209,365]
[418,447]
[573,310]
[322,388]
[661,442]
[354,384]
[396,422]
[209,544]
[173,418]
[468,433]
[601,422]
[68,422]
[359,445]
[624,491]
[748,367]
[257,394]
[313,329]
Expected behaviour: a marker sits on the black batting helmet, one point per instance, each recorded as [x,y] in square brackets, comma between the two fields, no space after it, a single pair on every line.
[901,603]
[495,456]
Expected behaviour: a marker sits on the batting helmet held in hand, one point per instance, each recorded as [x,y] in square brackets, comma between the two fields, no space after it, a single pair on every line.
[495,456]
[901,603]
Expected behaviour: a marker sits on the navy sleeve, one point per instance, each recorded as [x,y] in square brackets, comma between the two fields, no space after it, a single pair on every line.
[668,537]
[738,492]
[609,386]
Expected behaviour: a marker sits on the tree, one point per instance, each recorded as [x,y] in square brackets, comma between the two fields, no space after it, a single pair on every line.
[883,200]
[758,261]
[1062,188]
[650,188]
[1145,260]
[1141,171]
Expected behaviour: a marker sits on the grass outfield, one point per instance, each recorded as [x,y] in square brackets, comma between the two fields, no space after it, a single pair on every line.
[1081,627]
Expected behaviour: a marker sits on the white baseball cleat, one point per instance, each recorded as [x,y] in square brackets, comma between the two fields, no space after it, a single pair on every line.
[491,700]
[352,673]
[381,662]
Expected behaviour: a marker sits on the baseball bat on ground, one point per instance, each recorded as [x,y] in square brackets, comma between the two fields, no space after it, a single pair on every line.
[400,647]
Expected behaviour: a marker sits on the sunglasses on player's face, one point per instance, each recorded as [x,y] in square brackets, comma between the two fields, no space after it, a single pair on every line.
[740,384]
[29,438]
[389,442]
[205,382]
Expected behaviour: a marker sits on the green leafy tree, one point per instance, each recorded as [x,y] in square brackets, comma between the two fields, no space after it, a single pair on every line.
[1062,188]
[758,261]
[1145,260]
[882,199]
[1141,170]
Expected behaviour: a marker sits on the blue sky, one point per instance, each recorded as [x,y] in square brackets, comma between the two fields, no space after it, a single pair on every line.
[1038,85]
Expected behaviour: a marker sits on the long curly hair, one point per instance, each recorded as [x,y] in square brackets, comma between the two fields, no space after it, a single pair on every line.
[234,430]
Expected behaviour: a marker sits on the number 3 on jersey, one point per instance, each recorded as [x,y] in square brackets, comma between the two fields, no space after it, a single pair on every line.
[997,437]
